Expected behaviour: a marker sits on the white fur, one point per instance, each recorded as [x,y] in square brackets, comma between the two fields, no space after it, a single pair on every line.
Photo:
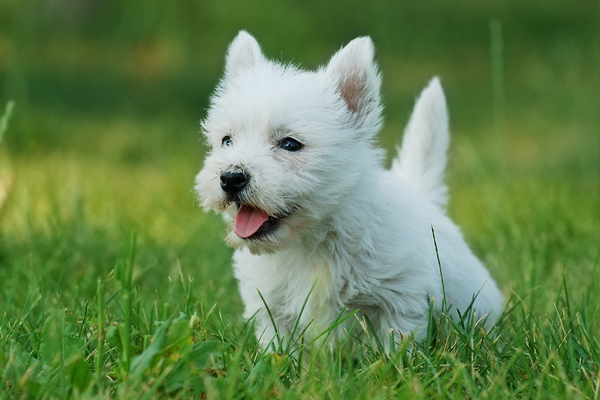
[422,159]
[360,234]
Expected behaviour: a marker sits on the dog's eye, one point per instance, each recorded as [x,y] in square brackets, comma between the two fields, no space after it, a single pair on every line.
[290,144]
[227,141]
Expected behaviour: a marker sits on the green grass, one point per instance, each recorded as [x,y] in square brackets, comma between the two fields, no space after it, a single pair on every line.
[114,284]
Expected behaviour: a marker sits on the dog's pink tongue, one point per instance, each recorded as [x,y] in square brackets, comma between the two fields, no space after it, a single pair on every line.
[248,221]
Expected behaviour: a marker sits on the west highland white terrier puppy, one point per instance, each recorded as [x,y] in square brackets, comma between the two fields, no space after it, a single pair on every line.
[294,169]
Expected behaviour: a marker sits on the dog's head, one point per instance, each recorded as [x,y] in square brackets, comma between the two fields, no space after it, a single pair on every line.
[287,145]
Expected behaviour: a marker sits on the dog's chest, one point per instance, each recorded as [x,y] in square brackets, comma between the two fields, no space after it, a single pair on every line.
[293,287]
[311,295]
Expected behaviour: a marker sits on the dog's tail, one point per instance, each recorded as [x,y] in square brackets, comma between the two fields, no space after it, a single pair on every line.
[422,159]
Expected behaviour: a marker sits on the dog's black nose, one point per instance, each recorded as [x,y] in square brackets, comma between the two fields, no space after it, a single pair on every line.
[233,182]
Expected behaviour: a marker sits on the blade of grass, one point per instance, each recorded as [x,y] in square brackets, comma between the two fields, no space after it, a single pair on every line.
[100,351]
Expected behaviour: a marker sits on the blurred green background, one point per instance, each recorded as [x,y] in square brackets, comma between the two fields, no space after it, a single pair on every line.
[109,95]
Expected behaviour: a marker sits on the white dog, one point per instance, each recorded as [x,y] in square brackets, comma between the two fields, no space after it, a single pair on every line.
[294,169]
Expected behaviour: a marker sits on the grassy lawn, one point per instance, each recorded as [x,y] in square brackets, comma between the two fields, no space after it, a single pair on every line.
[115,284]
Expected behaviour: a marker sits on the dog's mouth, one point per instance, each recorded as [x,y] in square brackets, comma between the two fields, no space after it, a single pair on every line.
[252,222]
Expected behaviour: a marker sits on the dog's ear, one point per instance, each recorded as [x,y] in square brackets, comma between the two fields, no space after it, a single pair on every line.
[355,74]
[244,53]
